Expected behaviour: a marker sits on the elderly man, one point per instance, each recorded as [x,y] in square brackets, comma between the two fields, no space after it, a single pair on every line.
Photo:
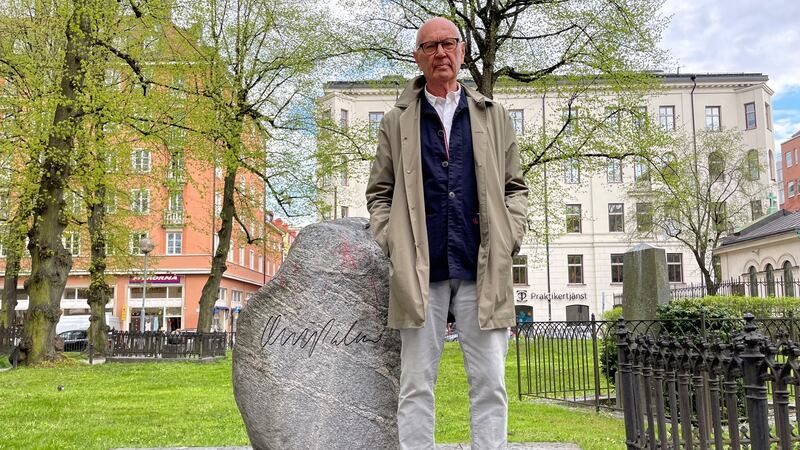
[447,204]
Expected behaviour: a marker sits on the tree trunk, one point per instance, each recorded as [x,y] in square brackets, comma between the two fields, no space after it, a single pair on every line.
[211,289]
[11,278]
[50,262]
[99,290]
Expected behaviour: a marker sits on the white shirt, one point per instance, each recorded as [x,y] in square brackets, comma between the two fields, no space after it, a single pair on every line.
[446,109]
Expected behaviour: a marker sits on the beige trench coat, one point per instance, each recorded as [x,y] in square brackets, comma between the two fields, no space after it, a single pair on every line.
[397,212]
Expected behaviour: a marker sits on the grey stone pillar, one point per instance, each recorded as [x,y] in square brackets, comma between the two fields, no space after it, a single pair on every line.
[645,284]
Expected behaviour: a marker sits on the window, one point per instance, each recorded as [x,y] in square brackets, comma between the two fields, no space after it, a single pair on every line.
[140,200]
[616,267]
[640,117]
[140,160]
[666,118]
[519,269]
[755,209]
[788,280]
[241,256]
[575,269]
[712,118]
[768,112]
[572,171]
[72,242]
[771,158]
[719,213]
[788,159]
[644,217]
[518,120]
[252,259]
[175,201]
[641,172]
[753,165]
[174,242]
[137,236]
[616,221]
[344,118]
[345,211]
[753,281]
[375,119]
[675,267]
[614,171]
[750,116]
[716,166]
[573,218]
[770,280]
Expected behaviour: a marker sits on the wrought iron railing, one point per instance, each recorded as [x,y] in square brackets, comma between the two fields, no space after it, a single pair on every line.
[736,387]
[744,286]
[167,345]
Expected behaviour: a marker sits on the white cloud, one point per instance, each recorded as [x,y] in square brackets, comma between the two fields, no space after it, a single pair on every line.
[737,36]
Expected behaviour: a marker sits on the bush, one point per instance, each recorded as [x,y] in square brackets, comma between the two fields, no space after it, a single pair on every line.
[608,345]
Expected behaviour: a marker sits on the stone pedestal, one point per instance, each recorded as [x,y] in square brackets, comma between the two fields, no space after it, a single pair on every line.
[645,284]
[314,366]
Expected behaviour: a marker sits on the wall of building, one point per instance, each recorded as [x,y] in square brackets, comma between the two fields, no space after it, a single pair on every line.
[595,243]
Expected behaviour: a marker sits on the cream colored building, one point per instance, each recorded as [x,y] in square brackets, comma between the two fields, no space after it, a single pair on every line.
[762,258]
[582,275]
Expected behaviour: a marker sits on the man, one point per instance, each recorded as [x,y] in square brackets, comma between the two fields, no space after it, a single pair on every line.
[447,204]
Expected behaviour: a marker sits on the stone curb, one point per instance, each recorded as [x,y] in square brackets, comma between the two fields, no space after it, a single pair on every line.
[511,446]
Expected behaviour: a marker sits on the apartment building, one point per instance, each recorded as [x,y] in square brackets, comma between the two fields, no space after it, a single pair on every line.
[579,273]
[790,173]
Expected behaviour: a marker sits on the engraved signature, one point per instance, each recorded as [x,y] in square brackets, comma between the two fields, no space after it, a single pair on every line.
[309,337]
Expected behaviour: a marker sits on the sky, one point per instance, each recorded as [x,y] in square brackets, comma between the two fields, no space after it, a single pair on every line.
[742,36]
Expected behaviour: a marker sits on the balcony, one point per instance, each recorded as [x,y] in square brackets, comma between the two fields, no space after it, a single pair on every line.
[173,218]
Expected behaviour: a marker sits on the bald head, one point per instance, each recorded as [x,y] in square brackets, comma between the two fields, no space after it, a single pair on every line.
[436,24]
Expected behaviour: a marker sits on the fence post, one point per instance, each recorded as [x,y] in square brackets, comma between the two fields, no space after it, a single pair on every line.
[596,366]
[755,388]
[626,380]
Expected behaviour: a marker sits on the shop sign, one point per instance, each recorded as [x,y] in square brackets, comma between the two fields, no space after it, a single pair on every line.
[525,296]
[167,278]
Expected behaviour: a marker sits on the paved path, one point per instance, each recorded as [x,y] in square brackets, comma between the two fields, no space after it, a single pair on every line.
[512,446]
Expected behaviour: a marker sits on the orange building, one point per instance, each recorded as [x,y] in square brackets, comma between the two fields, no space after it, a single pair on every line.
[180,213]
[791,173]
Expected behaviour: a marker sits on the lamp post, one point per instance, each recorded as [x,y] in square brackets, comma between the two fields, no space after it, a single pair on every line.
[146,245]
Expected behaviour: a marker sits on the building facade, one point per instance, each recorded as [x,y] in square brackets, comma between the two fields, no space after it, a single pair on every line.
[790,168]
[179,211]
[579,272]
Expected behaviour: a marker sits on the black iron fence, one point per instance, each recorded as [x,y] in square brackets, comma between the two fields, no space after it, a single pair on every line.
[567,361]
[743,286]
[9,338]
[156,344]
[736,387]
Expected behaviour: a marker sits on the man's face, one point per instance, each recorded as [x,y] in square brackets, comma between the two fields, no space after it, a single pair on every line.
[441,66]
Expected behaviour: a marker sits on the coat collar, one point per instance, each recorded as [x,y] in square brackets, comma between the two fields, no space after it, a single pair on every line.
[414,88]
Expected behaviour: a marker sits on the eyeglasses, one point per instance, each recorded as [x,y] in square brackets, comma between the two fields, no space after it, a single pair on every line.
[448,45]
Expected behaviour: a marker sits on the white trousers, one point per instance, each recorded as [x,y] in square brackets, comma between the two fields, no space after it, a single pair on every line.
[484,361]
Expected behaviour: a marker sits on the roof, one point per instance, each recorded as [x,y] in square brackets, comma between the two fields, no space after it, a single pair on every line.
[667,78]
[776,223]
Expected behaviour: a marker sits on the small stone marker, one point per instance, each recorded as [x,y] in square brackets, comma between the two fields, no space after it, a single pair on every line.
[314,366]
[645,285]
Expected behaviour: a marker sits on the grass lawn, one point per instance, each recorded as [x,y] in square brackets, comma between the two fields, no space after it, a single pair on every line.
[189,404]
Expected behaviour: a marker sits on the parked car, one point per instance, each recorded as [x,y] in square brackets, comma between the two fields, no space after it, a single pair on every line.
[75,340]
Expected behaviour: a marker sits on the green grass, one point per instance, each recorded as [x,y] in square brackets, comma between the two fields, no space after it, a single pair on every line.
[189,404]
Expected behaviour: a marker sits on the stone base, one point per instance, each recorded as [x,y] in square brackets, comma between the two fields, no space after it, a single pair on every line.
[511,446]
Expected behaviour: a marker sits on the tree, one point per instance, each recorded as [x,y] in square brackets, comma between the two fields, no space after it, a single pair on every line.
[588,58]
[258,59]
[699,196]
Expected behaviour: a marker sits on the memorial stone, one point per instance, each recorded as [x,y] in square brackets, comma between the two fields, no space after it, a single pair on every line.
[314,366]
[645,285]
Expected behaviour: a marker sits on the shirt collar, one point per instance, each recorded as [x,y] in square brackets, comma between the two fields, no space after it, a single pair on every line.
[451,97]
